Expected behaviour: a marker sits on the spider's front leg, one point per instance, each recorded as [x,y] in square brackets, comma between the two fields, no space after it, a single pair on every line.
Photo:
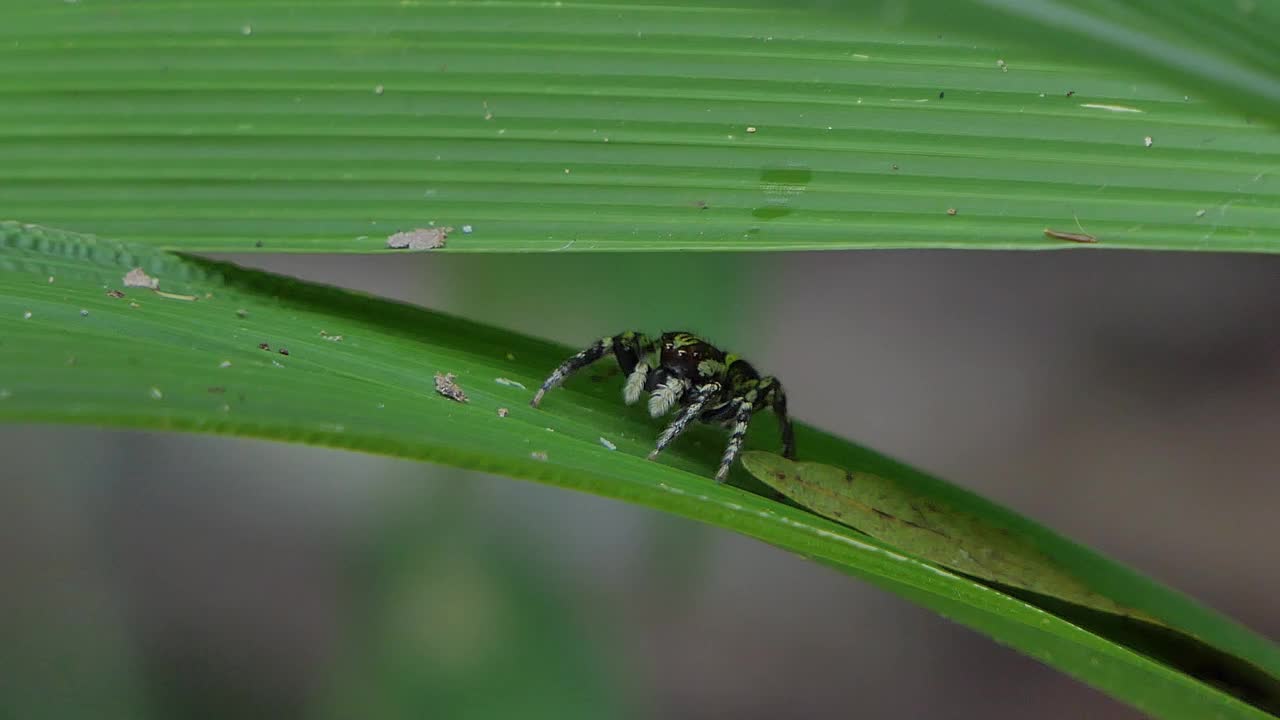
[623,345]
[687,414]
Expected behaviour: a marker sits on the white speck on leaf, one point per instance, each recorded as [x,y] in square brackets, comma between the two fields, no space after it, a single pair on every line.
[419,238]
[1147,141]
[538,455]
[26,315]
[138,278]
[156,394]
[605,442]
[510,383]
[1111,108]
[224,364]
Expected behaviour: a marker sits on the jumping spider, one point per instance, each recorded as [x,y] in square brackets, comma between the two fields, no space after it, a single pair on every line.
[682,370]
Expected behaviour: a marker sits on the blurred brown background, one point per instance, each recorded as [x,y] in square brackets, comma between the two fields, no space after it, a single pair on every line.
[1131,401]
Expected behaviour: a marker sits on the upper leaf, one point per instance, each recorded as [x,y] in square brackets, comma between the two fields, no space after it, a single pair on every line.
[329,125]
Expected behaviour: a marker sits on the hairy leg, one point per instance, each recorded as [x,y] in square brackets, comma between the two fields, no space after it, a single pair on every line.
[741,418]
[592,353]
[687,414]
[784,423]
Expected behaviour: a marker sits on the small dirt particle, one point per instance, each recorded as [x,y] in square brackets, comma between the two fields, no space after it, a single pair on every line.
[446,386]
[284,351]
[217,390]
[115,294]
[503,412]
[1070,93]
[1004,67]
[751,130]
[264,346]
[419,239]
[942,94]
[84,312]
[242,313]
[952,211]
[138,278]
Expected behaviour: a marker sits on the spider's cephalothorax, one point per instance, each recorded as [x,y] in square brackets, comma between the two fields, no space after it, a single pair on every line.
[681,370]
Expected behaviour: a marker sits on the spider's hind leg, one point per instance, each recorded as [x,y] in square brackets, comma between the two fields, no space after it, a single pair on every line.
[778,400]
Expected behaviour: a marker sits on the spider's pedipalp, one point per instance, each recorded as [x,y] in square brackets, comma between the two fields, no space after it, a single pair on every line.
[635,383]
[665,396]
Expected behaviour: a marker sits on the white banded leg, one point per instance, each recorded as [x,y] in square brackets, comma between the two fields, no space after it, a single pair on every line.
[741,418]
[687,414]
[572,365]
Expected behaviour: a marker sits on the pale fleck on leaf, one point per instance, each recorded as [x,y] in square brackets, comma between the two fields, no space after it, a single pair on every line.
[139,278]
[419,239]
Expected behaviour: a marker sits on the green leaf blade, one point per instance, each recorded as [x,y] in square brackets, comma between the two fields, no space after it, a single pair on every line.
[160,365]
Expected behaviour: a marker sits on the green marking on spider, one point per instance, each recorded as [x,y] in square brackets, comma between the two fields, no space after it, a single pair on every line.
[683,372]
[928,528]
